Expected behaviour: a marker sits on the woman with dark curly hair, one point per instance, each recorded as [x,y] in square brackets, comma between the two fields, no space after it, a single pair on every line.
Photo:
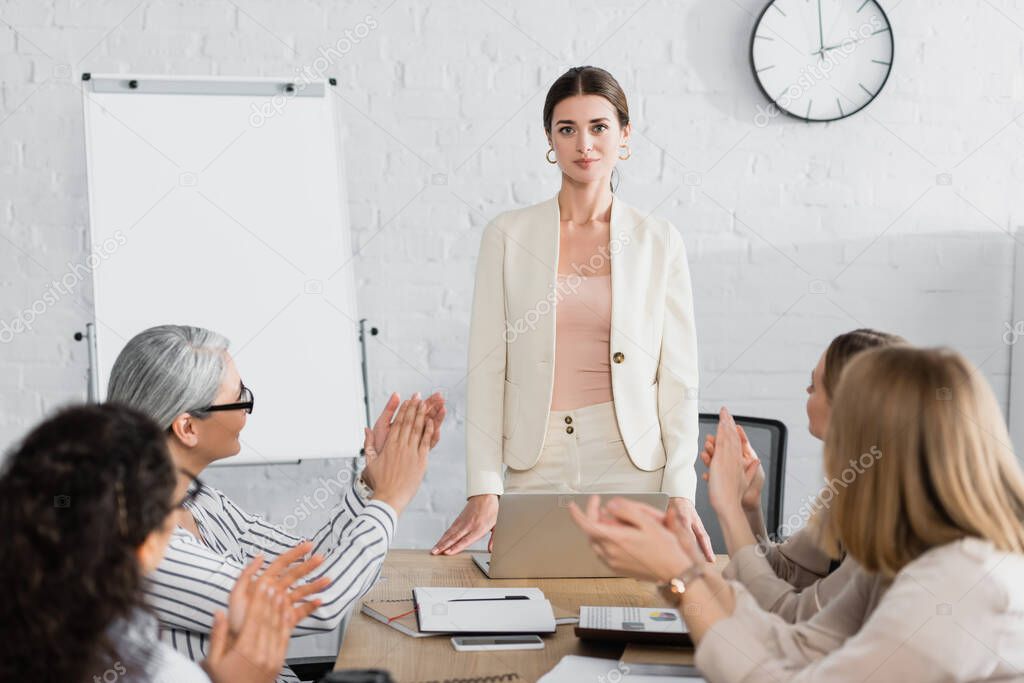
[88,502]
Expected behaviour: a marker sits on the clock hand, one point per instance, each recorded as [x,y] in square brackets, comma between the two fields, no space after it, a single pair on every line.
[821,33]
[836,47]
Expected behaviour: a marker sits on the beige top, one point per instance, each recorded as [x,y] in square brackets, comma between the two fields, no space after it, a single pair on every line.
[954,614]
[583,323]
[790,579]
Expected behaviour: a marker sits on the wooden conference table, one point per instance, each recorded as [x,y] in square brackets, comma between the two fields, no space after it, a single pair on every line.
[370,644]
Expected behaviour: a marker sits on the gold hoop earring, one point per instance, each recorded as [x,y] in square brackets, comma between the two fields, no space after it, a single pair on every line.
[629,152]
[547,155]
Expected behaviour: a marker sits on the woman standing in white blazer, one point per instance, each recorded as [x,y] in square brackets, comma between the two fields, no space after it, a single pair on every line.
[603,395]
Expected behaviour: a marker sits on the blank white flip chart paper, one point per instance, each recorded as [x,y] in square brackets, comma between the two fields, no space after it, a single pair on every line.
[220,203]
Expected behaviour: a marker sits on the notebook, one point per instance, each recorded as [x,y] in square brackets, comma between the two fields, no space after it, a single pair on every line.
[633,625]
[483,610]
[658,660]
[577,669]
[398,614]
[401,616]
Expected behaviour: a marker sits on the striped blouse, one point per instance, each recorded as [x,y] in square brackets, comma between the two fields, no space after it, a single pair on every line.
[197,575]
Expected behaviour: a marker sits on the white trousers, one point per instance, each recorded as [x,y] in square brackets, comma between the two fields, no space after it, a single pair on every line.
[584,453]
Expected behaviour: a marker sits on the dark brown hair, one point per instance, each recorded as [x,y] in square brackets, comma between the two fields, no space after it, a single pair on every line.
[846,346]
[77,498]
[586,80]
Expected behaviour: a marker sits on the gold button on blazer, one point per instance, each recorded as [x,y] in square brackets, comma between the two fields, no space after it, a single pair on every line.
[512,345]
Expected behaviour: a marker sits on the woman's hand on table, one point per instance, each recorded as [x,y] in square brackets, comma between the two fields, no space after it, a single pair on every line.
[475,520]
[686,514]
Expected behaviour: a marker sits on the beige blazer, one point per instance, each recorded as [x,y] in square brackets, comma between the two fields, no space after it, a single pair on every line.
[790,579]
[512,345]
[954,614]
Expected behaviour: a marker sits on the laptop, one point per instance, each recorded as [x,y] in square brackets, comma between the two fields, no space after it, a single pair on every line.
[535,537]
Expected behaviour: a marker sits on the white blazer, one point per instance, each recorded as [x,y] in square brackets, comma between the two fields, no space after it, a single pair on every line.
[512,346]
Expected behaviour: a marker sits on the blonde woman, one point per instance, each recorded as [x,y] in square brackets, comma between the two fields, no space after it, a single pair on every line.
[936,524]
[583,351]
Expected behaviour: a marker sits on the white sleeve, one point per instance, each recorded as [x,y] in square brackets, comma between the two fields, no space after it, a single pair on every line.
[487,358]
[169,666]
[678,380]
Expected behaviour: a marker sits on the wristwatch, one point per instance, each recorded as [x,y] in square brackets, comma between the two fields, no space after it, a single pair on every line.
[364,489]
[674,589]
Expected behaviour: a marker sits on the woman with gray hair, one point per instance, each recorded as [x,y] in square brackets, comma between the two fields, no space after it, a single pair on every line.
[185,379]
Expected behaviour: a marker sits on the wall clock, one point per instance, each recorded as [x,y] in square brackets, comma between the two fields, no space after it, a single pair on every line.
[821,60]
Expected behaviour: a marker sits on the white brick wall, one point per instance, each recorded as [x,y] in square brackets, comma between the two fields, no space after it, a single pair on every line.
[456,88]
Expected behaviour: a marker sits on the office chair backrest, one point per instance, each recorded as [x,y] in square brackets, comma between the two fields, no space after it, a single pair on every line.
[768,437]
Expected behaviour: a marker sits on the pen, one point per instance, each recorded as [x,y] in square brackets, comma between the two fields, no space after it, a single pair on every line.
[507,597]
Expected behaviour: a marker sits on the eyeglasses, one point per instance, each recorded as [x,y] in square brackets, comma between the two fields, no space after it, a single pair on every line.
[194,489]
[246,402]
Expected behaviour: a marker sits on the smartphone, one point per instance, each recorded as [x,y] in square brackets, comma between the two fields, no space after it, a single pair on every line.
[511,642]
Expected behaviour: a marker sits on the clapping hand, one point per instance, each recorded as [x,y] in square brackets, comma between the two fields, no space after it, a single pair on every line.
[375,438]
[250,642]
[634,539]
